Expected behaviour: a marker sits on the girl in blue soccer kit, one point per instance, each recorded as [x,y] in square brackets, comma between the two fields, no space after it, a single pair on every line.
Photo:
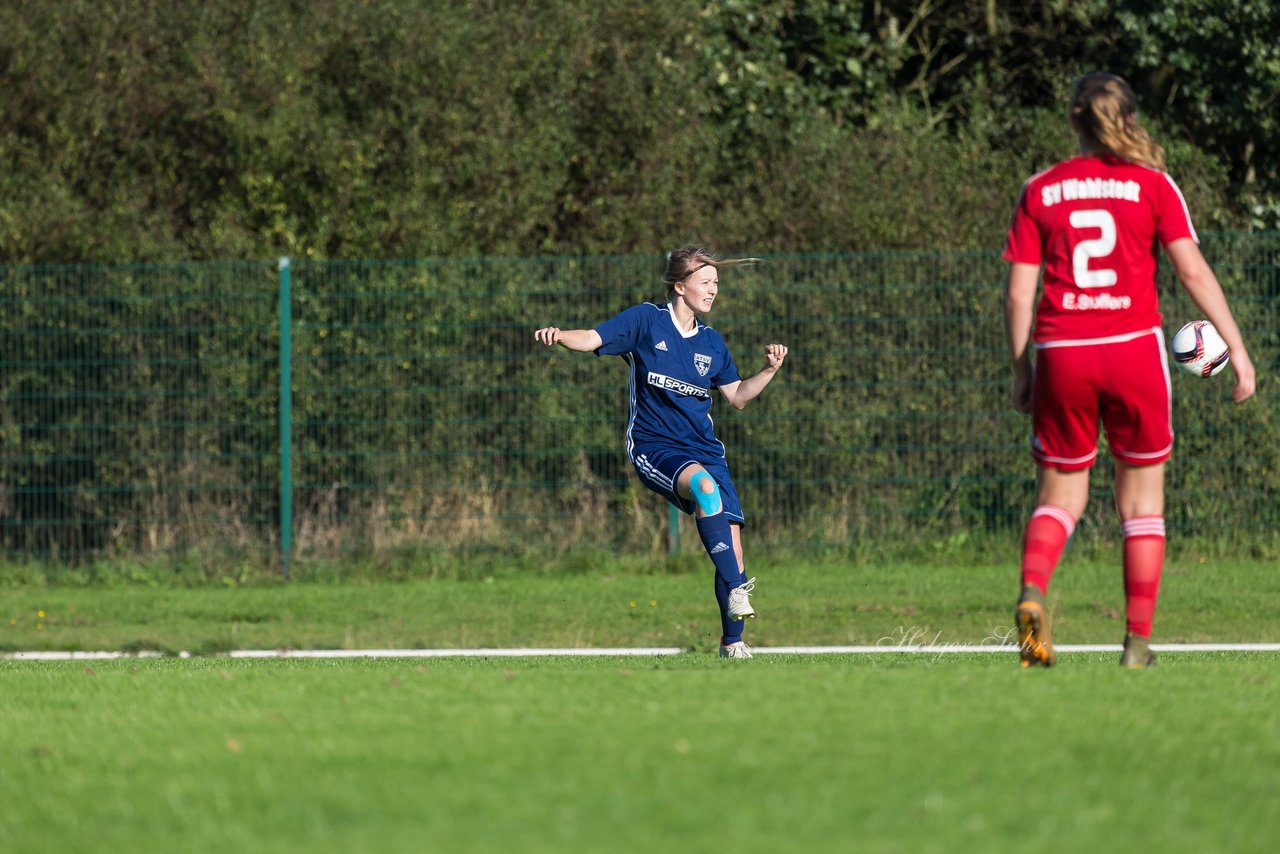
[675,361]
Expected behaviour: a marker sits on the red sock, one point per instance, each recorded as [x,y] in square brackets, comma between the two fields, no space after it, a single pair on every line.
[1143,562]
[1047,532]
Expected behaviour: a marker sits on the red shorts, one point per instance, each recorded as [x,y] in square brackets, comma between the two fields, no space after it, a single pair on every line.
[1123,380]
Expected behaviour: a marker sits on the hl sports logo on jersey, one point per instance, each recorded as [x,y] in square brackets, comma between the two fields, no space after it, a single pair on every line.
[678,386]
[702,363]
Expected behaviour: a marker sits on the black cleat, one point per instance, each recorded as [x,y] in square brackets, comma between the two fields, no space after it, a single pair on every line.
[1137,654]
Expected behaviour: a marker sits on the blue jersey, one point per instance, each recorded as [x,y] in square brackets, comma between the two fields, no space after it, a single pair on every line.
[672,375]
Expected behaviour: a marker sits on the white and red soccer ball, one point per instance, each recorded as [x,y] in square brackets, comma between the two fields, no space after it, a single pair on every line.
[1199,349]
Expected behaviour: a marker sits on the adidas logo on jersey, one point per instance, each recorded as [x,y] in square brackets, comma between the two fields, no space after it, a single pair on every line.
[719,547]
[661,345]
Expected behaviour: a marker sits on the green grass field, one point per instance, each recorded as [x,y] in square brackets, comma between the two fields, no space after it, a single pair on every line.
[689,753]
[799,603]
[905,753]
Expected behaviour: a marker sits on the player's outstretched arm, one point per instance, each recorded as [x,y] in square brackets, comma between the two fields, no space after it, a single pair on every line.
[579,340]
[739,394]
[1206,292]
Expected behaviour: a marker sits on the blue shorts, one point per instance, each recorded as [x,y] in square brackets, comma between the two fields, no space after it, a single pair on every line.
[660,468]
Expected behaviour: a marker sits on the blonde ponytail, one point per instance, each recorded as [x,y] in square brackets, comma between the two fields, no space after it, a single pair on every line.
[683,262]
[1104,111]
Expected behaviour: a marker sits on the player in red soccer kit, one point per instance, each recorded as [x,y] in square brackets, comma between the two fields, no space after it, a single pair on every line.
[1095,224]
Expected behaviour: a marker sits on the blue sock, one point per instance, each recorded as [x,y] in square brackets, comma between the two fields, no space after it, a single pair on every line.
[718,541]
[730,630]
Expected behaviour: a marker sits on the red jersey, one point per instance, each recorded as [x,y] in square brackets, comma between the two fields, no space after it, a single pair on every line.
[1096,223]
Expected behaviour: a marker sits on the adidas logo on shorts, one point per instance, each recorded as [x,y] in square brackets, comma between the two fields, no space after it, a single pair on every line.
[720,547]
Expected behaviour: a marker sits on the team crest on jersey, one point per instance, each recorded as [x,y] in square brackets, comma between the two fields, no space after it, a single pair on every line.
[702,363]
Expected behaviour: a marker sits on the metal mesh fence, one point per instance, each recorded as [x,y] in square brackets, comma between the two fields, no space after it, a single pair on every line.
[137,412]
[152,409]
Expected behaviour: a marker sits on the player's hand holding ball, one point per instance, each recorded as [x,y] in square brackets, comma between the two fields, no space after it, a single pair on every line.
[1199,349]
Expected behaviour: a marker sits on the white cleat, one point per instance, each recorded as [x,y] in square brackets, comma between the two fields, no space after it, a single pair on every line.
[740,602]
[735,650]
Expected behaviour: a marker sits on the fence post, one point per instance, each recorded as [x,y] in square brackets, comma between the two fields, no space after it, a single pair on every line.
[286,418]
[673,529]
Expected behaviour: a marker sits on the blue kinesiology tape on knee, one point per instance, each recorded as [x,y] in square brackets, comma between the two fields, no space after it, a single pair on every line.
[708,501]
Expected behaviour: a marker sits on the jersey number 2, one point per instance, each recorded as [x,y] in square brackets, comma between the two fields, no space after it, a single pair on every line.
[1097,247]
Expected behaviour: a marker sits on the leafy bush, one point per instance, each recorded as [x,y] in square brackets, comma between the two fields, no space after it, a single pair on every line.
[137,132]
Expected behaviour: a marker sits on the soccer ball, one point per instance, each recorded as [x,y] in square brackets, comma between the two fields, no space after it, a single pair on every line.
[1199,349]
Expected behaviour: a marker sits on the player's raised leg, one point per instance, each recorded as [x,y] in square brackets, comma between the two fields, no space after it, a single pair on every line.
[739,599]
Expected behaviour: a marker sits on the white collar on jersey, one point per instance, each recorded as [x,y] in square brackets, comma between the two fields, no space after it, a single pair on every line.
[686,333]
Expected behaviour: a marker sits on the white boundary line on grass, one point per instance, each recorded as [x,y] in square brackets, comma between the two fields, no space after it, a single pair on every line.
[935,649]
[928,649]
[448,653]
